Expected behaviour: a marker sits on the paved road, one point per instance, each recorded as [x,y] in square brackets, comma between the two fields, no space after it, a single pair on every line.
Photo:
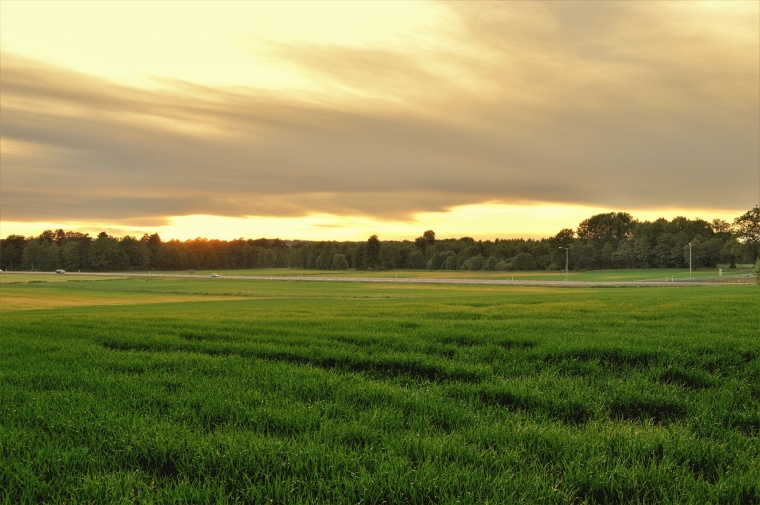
[726,281]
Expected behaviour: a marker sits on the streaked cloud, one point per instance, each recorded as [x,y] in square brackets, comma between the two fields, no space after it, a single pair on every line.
[621,105]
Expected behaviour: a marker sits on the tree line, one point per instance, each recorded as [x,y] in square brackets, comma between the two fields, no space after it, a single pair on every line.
[603,241]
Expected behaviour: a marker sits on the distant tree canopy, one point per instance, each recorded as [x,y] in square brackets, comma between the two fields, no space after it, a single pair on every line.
[747,229]
[606,227]
[609,240]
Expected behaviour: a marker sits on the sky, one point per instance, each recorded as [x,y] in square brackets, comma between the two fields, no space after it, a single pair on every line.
[339,120]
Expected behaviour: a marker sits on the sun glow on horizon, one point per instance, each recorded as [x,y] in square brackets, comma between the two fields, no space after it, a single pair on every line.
[488,221]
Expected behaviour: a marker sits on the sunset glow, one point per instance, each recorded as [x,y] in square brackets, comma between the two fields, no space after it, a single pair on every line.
[494,221]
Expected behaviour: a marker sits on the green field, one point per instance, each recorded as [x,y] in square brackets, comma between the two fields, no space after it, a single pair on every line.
[158,390]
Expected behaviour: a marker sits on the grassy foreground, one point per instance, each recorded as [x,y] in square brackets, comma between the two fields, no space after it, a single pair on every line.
[200,390]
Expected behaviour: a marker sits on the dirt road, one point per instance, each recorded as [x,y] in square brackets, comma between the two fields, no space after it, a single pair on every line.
[728,281]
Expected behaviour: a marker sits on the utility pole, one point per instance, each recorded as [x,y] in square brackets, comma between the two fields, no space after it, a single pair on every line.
[689,260]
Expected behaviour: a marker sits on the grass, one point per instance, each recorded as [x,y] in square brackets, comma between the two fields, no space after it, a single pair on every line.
[198,391]
[31,277]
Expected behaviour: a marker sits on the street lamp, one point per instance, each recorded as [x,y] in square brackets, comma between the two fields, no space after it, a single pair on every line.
[689,260]
[567,259]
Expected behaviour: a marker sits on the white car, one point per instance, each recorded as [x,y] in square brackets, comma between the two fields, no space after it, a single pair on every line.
[215,275]
[60,271]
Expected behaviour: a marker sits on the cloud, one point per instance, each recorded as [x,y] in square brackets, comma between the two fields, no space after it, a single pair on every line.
[618,104]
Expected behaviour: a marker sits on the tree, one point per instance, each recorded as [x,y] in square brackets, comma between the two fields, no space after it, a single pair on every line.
[324,256]
[644,253]
[473,264]
[46,236]
[32,252]
[8,255]
[438,260]
[564,238]
[523,261]
[490,263]
[663,251]
[451,261]
[138,256]
[695,253]
[605,227]
[359,257]
[721,227]
[172,256]
[154,248]
[583,256]
[49,256]
[425,242]
[693,228]
[59,236]
[415,260]
[713,250]
[264,258]
[747,230]
[70,256]
[339,262]
[105,254]
[373,251]
[390,256]
[625,255]
[610,240]
[12,257]
[429,237]
[681,240]
[729,252]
